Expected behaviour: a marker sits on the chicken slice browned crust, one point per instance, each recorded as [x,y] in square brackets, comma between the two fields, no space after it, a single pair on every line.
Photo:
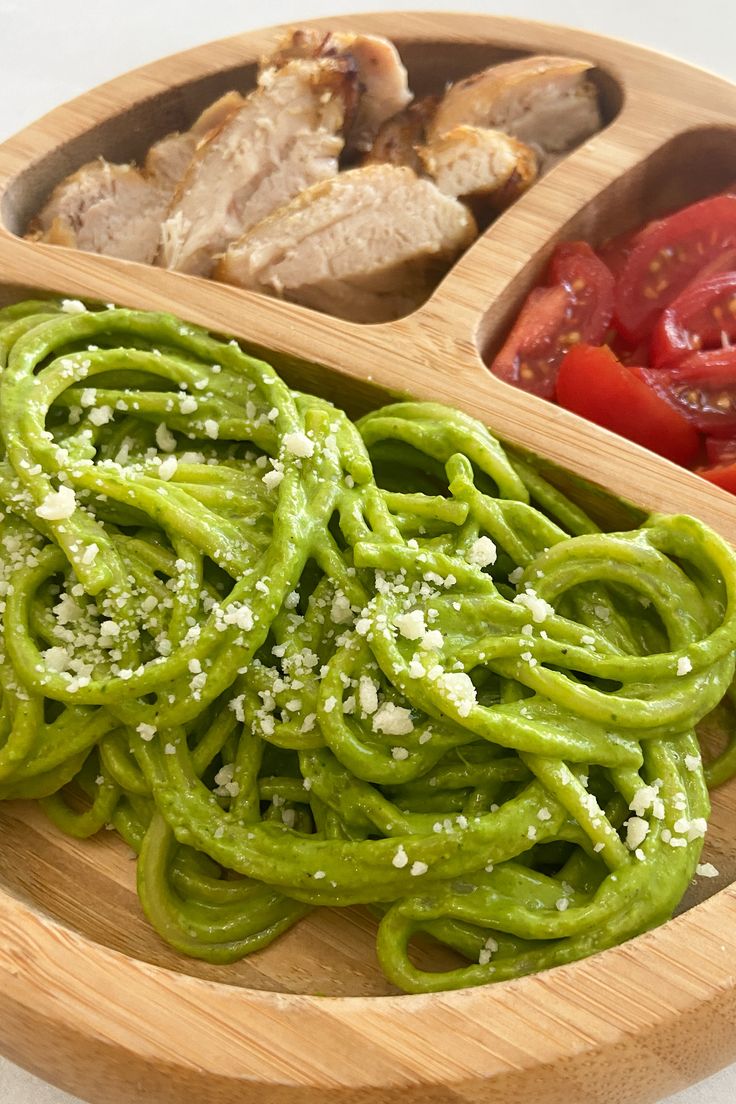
[285,137]
[486,166]
[102,208]
[398,139]
[548,102]
[368,245]
[383,85]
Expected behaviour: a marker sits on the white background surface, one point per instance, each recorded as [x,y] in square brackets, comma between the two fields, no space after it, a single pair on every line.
[55,49]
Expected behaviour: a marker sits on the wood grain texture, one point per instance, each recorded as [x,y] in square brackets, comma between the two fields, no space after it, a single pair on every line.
[89,997]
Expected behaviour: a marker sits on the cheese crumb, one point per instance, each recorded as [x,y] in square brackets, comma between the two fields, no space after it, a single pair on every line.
[239,615]
[272,479]
[146,731]
[212,429]
[411,625]
[482,552]
[101,415]
[367,695]
[537,606]
[400,753]
[707,870]
[58,505]
[393,720]
[460,690]
[73,306]
[401,858]
[637,831]
[165,439]
[298,444]
[432,640]
[167,468]
[684,666]
[340,611]
[692,762]
[418,868]
[57,658]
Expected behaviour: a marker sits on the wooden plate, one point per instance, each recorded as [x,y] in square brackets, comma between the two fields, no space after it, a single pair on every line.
[89,997]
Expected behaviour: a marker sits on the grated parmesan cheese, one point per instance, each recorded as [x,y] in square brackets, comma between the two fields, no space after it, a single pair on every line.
[298,444]
[58,505]
[392,720]
[482,552]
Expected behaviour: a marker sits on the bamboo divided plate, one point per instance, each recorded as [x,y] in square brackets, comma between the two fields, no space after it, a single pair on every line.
[90,999]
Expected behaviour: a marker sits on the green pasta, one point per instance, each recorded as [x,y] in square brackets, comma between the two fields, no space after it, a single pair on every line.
[296,661]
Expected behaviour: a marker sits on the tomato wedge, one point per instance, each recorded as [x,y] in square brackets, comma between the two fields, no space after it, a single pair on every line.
[576,306]
[723,475]
[720,450]
[638,354]
[592,382]
[666,256]
[703,316]
[615,252]
[702,387]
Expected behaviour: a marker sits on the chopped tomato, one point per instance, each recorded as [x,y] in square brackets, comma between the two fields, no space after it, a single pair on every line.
[702,386]
[720,450]
[703,316]
[616,251]
[592,382]
[723,475]
[628,354]
[666,256]
[577,306]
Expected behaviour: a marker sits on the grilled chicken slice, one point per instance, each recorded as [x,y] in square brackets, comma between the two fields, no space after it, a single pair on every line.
[367,246]
[382,79]
[398,138]
[169,159]
[481,165]
[548,102]
[117,210]
[285,137]
[102,208]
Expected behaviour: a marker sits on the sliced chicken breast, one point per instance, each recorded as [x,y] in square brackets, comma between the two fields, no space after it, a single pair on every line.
[102,208]
[398,138]
[169,159]
[480,164]
[383,83]
[368,245]
[117,210]
[548,102]
[285,137]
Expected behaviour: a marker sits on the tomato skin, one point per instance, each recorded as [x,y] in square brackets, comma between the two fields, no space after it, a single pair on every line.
[576,305]
[697,319]
[668,255]
[723,475]
[527,358]
[702,387]
[637,355]
[615,252]
[720,451]
[592,382]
